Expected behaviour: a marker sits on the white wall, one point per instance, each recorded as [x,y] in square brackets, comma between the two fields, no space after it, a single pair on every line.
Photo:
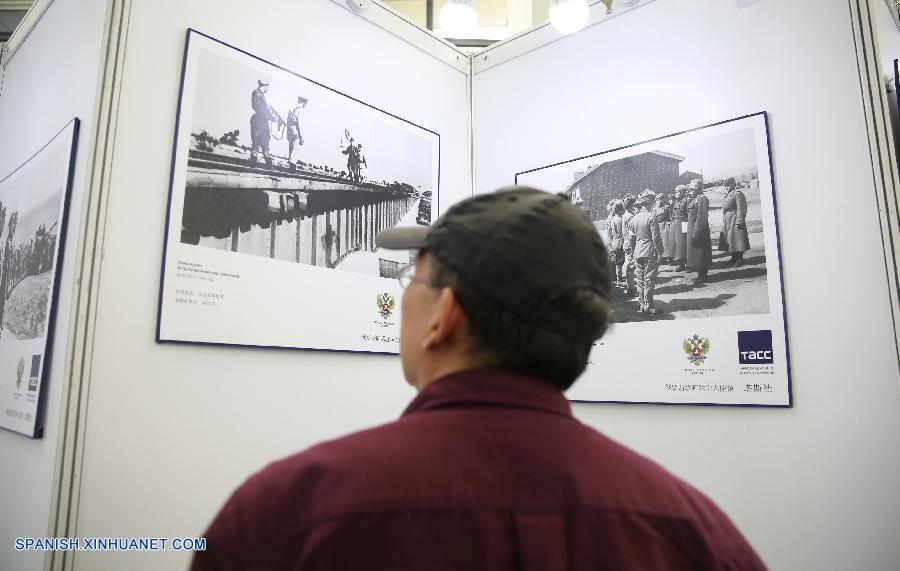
[816,486]
[50,80]
[173,429]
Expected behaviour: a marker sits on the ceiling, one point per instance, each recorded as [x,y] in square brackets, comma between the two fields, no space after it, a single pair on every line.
[497,19]
[11,12]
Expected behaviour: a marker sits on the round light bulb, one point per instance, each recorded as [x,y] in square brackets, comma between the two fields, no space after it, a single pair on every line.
[458,17]
[569,16]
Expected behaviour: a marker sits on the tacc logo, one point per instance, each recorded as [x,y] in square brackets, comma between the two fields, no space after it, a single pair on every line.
[755,347]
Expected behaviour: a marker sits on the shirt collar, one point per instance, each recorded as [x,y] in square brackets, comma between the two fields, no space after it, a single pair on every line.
[480,388]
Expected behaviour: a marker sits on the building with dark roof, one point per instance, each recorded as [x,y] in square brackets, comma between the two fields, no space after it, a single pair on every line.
[594,188]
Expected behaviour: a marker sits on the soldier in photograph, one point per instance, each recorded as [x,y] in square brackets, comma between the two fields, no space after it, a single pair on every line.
[260,132]
[352,152]
[699,251]
[734,222]
[6,269]
[616,241]
[647,247]
[360,163]
[293,127]
[628,266]
[608,221]
[663,212]
[677,237]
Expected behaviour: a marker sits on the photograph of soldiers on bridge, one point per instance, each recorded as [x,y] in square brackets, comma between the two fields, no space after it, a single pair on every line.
[282,167]
[682,218]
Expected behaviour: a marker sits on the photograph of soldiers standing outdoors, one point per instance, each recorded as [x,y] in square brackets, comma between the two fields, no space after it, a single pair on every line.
[284,168]
[29,229]
[682,220]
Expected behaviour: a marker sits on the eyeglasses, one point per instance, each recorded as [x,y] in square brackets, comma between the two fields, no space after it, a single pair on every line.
[407,275]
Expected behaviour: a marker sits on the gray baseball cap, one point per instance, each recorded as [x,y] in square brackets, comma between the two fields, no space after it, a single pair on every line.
[522,248]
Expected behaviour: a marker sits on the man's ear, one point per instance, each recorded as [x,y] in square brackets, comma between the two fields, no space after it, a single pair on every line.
[446,321]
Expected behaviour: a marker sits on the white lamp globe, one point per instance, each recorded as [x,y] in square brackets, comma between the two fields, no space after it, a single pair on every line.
[569,16]
[459,16]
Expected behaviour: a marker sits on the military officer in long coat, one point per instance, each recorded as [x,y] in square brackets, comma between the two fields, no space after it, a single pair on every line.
[734,222]
[677,237]
[699,251]
[647,245]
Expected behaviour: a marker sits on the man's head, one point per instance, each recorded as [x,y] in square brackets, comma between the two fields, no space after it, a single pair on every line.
[301,100]
[645,199]
[629,201]
[679,191]
[695,187]
[263,84]
[618,207]
[517,279]
[730,184]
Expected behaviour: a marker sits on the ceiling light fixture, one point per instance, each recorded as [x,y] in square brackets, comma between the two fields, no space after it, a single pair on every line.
[568,16]
[458,17]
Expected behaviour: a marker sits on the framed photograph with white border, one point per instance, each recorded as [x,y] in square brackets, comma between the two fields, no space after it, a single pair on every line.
[699,296]
[279,186]
[34,201]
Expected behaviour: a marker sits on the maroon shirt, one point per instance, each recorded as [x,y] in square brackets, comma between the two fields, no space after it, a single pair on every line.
[485,470]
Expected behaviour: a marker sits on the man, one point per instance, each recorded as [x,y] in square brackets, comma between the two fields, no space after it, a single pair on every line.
[647,245]
[699,251]
[293,127]
[662,211]
[352,152]
[628,267]
[260,133]
[617,242]
[487,469]
[7,265]
[360,163]
[734,222]
[677,231]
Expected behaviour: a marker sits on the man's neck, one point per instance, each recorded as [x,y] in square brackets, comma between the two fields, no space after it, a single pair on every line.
[444,367]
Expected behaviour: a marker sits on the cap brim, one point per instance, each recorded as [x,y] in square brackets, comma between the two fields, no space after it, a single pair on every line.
[403,238]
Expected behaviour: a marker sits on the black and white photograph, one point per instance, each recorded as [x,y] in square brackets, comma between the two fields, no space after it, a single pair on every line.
[32,227]
[279,185]
[691,228]
[284,168]
[682,219]
[30,230]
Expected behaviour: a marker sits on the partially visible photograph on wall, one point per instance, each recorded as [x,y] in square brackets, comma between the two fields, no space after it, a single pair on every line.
[33,209]
[279,187]
[690,223]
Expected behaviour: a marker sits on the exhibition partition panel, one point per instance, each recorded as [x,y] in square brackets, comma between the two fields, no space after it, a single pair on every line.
[51,78]
[192,422]
[674,66]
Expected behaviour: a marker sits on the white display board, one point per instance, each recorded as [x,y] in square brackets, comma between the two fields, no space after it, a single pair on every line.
[33,208]
[279,187]
[722,340]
